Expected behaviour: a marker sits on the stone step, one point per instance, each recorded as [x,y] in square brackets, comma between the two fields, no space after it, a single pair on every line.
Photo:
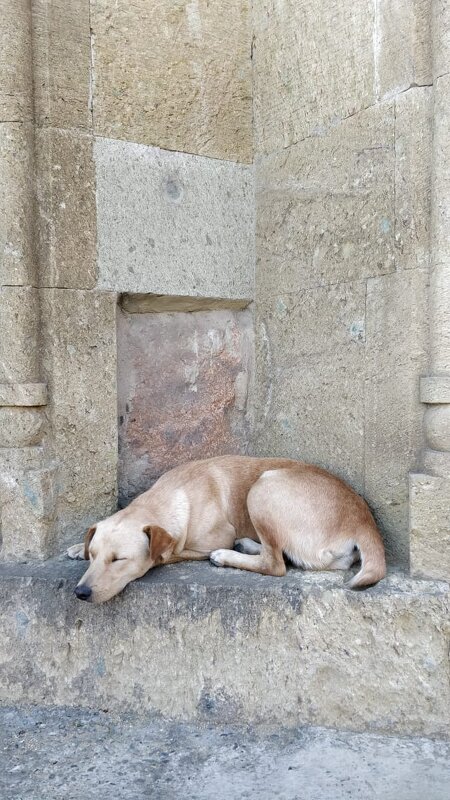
[72,753]
[196,643]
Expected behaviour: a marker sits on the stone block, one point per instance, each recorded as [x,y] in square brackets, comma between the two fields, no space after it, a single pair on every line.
[185,81]
[66,209]
[325,206]
[27,503]
[20,427]
[430,526]
[19,326]
[17,257]
[79,363]
[171,223]
[313,65]
[16,97]
[193,642]
[396,356]
[61,63]
[23,394]
[182,391]
[402,45]
[413,141]
[310,378]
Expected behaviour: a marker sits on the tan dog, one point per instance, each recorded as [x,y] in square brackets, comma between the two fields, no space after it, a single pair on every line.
[281,508]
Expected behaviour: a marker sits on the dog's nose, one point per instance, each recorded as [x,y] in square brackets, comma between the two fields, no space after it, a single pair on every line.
[83,592]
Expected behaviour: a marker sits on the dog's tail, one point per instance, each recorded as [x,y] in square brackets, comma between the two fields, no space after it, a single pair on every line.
[373,559]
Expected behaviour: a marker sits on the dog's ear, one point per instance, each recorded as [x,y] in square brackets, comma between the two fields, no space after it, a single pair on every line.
[87,541]
[160,543]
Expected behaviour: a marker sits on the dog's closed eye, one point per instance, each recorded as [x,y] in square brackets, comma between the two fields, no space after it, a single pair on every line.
[114,558]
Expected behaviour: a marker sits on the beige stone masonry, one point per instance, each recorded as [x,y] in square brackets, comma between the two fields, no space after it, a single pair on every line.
[174,74]
[16,102]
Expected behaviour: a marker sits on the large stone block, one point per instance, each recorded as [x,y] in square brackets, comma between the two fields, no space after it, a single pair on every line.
[16,95]
[171,223]
[325,207]
[182,391]
[61,63]
[66,209]
[310,378]
[396,356]
[174,74]
[27,503]
[430,526]
[17,257]
[193,642]
[19,327]
[79,361]
[402,45]
[413,139]
[313,65]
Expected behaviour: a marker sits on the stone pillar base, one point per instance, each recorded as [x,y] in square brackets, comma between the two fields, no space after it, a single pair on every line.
[430,526]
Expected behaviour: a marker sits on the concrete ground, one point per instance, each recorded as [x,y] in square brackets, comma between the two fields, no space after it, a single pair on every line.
[68,754]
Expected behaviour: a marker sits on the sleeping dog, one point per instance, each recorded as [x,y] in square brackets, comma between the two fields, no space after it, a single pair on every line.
[273,507]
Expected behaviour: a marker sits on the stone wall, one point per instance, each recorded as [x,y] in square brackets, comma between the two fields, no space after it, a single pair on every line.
[142,145]
[343,110]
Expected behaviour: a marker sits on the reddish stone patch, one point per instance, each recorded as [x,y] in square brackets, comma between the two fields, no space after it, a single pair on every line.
[182,389]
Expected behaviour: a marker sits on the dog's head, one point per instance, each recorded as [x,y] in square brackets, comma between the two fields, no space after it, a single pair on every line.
[119,552]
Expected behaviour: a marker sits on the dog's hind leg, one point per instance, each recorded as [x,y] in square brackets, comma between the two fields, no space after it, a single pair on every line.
[76,551]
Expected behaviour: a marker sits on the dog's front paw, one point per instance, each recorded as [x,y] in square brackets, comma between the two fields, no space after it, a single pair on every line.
[218,558]
[76,551]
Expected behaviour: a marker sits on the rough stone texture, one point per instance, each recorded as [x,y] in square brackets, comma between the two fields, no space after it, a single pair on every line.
[66,209]
[171,223]
[20,427]
[310,387]
[23,394]
[192,642]
[77,753]
[79,362]
[396,356]
[325,207]
[182,391]
[184,83]
[435,389]
[19,326]
[16,100]
[61,63]
[17,259]
[441,37]
[402,45]
[27,504]
[413,135]
[430,526]
[313,65]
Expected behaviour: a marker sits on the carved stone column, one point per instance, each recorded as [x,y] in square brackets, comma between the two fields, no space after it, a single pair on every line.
[430,492]
[25,486]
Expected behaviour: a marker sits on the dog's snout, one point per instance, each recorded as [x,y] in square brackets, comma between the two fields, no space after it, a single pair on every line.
[83,592]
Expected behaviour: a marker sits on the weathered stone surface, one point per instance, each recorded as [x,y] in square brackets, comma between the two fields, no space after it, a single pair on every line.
[27,503]
[23,394]
[313,65]
[137,756]
[20,427]
[325,207]
[402,45]
[164,303]
[17,258]
[396,356]
[66,209]
[200,643]
[413,139]
[310,378]
[61,63]
[16,96]
[435,389]
[430,526]
[182,391]
[19,326]
[171,223]
[79,362]
[183,84]
[441,37]
[437,427]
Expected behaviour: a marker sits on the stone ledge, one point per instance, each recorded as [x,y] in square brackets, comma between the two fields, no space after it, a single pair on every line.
[190,641]
[23,394]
